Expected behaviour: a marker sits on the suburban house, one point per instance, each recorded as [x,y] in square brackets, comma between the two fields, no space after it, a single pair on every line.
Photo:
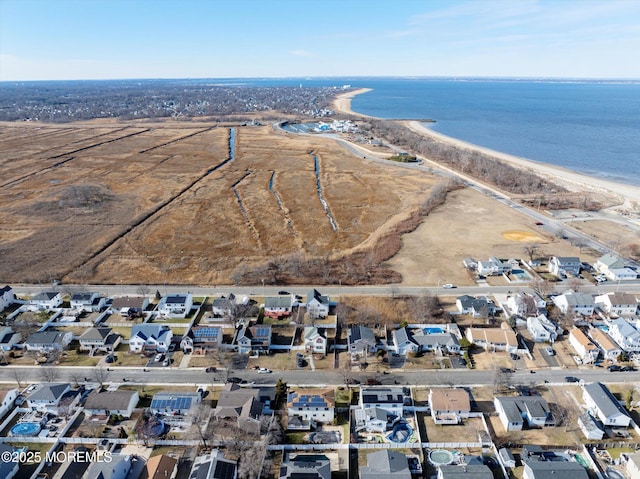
[603,405]
[494,339]
[118,468]
[391,399]
[552,469]
[373,419]
[525,304]
[240,404]
[625,334]
[449,406]
[361,340]
[493,267]
[8,338]
[620,304]
[202,339]
[99,339]
[87,302]
[305,466]
[213,466]
[469,471]
[542,329]
[564,265]
[223,307]
[106,403]
[477,307]
[314,341]
[587,350]
[6,297]
[175,406]
[160,467]
[176,305]
[571,302]
[317,305]
[278,306]
[44,301]
[8,469]
[150,337]
[507,457]
[386,463]
[517,411]
[7,401]
[407,340]
[590,426]
[622,274]
[314,405]
[47,341]
[609,348]
[633,464]
[130,306]
[47,396]
[607,262]
[254,338]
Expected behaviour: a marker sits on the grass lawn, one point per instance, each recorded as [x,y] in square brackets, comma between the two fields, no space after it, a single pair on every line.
[73,358]
[296,437]
[279,361]
[615,452]
[125,358]
[122,331]
[343,397]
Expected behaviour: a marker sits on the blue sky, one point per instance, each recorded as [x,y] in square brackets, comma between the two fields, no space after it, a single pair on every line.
[105,39]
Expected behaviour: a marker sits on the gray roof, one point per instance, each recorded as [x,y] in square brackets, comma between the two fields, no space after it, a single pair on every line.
[6,467]
[609,259]
[378,395]
[555,469]
[238,402]
[442,339]
[401,335]
[590,423]
[278,302]
[315,294]
[6,289]
[567,259]
[466,472]
[149,330]
[45,337]
[84,297]
[45,296]
[109,400]
[515,406]
[48,392]
[468,302]
[385,463]
[306,466]
[106,470]
[606,402]
[92,334]
[357,333]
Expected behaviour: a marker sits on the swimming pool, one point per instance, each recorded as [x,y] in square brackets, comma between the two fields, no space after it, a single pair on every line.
[401,433]
[439,457]
[26,429]
[433,330]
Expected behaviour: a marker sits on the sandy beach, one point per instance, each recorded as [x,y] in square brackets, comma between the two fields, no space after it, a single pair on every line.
[630,195]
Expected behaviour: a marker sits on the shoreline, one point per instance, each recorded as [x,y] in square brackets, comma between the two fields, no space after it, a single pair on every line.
[629,194]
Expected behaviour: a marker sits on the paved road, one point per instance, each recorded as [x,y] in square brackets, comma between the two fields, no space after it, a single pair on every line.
[461,377]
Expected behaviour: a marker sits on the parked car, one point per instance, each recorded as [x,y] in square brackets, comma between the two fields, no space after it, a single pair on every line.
[549,351]
[110,359]
[506,370]
[210,370]
[283,292]
[159,357]
[614,368]
[448,286]
[234,380]
[571,379]
[264,371]
[628,368]
[166,362]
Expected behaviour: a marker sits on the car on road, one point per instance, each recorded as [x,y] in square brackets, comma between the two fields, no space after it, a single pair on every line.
[506,370]
[539,223]
[614,368]
[159,357]
[571,379]
[264,371]
[283,292]
[448,286]
[210,370]
[628,368]
[234,380]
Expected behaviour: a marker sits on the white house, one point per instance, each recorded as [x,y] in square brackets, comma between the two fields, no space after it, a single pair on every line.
[571,302]
[254,338]
[88,302]
[494,339]
[278,306]
[625,335]
[361,340]
[620,304]
[47,396]
[46,341]
[213,466]
[542,329]
[6,297]
[416,340]
[176,407]
[525,304]
[99,339]
[633,464]
[372,419]
[607,262]
[130,306]
[312,404]
[317,305]
[477,307]
[563,265]
[176,305]
[587,350]
[391,399]
[493,267]
[150,337]
[621,274]
[314,342]
[8,338]
[590,427]
[609,349]
[117,468]
[516,411]
[223,307]
[105,403]
[44,301]
[603,405]
[449,406]
[551,469]
[7,401]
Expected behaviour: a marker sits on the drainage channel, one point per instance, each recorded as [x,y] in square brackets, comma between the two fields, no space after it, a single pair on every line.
[243,209]
[316,162]
[280,204]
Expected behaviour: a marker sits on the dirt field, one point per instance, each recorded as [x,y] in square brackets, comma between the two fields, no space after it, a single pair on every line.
[145,204]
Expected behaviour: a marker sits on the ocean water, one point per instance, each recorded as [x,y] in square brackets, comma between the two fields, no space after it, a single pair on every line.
[592,127]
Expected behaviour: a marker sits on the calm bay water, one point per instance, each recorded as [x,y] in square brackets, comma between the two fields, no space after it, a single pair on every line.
[587,126]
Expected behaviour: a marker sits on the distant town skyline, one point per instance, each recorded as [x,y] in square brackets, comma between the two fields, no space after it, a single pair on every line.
[118,39]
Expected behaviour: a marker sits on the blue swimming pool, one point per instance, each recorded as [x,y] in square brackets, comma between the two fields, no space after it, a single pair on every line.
[26,429]
[401,433]
[433,330]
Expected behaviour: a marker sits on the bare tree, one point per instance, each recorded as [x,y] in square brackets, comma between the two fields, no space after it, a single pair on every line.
[49,374]
[225,360]
[575,284]
[345,370]
[252,460]
[101,375]
[541,286]
[143,290]
[77,379]
[531,251]
[19,376]
[200,422]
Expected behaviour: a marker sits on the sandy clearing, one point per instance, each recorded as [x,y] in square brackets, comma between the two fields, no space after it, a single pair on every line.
[525,236]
